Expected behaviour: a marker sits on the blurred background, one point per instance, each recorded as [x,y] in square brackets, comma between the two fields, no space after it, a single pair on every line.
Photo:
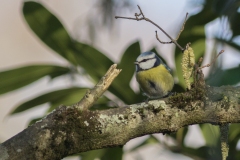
[50,51]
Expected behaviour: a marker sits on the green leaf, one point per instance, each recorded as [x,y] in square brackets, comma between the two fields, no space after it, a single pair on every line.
[67,96]
[20,77]
[34,120]
[235,23]
[181,135]
[120,85]
[93,61]
[48,28]
[230,43]
[234,132]
[51,31]
[127,63]
[207,12]
[229,9]
[197,153]
[221,77]
[211,134]
[100,64]
[103,154]
[74,96]
[155,51]
[113,153]
[234,136]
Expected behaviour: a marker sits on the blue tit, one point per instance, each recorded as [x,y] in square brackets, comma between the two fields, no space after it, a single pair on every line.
[153,76]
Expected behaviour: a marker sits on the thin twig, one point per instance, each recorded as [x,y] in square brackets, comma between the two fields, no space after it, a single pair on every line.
[179,33]
[208,65]
[185,20]
[137,15]
[140,11]
[162,41]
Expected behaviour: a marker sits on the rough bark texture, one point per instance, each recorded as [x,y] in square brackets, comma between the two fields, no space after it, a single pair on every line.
[69,130]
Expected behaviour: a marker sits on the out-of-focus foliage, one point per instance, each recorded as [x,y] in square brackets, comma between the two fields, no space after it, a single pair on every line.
[105,10]
[95,63]
[105,154]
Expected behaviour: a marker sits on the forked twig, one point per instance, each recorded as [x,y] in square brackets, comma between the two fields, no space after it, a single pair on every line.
[213,61]
[138,18]
[179,33]
[198,74]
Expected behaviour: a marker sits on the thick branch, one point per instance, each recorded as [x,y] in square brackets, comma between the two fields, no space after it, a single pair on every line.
[68,130]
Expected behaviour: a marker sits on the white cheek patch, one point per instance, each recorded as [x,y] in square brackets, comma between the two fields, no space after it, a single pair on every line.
[148,64]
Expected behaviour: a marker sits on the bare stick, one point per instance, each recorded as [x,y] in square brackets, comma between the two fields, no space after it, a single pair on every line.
[182,27]
[179,33]
[138,18]
[92,95]
[162,41]
[208,65]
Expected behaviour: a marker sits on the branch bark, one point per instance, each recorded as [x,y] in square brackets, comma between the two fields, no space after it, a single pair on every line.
[73,129]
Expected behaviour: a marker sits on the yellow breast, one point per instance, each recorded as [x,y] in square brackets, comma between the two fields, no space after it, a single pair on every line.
[155,82]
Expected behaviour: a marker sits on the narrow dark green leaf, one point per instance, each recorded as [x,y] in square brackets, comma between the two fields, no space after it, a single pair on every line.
[211,134]
[49,29]
[127,63]
[96,64]
[230,43]
[121,85]
[68,96]
[235,23]
[20,77]
[207,12]
[76,95]
[155,51]
[103,154]
[93,61]
[234,132]
[234,136]
[113,153]
[34,120]
[229,9]
[94,154]
[197,153]
[181,135]
[221,77]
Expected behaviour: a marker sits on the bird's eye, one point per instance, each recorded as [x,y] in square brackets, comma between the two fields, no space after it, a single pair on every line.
[144,60]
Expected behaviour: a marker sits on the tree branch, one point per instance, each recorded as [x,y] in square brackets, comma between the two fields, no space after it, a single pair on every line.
[68,130]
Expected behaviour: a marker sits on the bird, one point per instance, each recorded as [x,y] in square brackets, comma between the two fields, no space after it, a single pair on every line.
[153,75]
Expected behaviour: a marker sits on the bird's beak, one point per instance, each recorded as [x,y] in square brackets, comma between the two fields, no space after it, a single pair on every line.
[136,63]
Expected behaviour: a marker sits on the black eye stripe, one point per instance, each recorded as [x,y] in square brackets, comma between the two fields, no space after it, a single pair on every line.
[144,60]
